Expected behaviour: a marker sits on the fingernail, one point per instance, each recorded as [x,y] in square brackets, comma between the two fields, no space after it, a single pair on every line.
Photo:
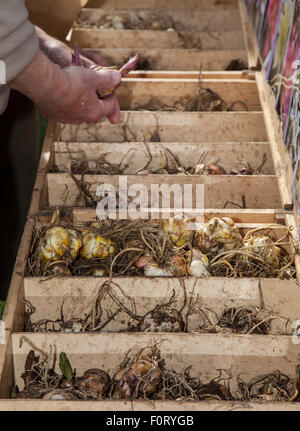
[116,77]
[115,116]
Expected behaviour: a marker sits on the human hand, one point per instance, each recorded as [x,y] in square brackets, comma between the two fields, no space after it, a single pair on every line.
[80,103]
[69,95]
[94,57]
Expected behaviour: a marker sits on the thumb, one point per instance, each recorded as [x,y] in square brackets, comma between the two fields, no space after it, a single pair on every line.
[106,79]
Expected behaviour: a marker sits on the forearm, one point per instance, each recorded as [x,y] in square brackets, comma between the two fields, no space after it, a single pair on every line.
[54,49]
[41,80]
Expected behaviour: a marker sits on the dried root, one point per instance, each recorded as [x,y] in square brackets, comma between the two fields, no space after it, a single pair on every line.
[272,387]
[151,21]
[168,163]
[147,241]
[240,262]
[164,317]
[205,100]
[145,376]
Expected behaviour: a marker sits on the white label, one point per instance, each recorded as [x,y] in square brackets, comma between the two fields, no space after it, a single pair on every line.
[2,332]
[2,73]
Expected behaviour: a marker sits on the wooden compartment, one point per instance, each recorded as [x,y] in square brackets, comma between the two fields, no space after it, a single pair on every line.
[253,355]
[219,190]
[206,353]
[185,19]
[237,94]
[76,296]
[176,59]
[133,156]
[200,127]
[155,39]
[164,4]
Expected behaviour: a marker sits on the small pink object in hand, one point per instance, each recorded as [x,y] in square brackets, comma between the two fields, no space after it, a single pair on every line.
[128,67]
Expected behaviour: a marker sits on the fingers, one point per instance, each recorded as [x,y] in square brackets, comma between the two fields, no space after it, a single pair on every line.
[81,103]
[110,108]
[106,79]
[114,118]
[96,58]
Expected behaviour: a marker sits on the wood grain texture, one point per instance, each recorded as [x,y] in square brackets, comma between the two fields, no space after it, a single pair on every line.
[98,38]
[260,191]
[253,354]
[185,19]
[78,295]
[202,127]
[164,4]
[131,156]
[174,59]
[134,93]
[281,158]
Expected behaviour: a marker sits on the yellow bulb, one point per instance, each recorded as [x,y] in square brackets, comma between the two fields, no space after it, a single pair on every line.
[95,246]
[60,242]
[217,236]
[264,247]
[197,264]
[75,242]
[177,229]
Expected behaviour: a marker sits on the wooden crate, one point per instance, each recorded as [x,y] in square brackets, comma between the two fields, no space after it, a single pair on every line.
[247,134]
[210,41]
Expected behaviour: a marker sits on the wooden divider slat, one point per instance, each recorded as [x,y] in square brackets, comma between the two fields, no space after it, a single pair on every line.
[260,191]
[201,127]
[97,38]
[205,353]
[189,19]
[238,95]
[216,5]
[132,156]
[175,59]
[78,295]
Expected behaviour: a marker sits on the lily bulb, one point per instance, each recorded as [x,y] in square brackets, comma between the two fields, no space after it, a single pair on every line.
[60,242]
[176,267]
[162,319]
[95,246]
[177,229]
[134,377]
[124,70]
[94,381]
[198,264]
[263,246]
[75,325]
[217,236]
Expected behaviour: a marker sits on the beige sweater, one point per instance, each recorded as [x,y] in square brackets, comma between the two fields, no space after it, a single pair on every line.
[18,44]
